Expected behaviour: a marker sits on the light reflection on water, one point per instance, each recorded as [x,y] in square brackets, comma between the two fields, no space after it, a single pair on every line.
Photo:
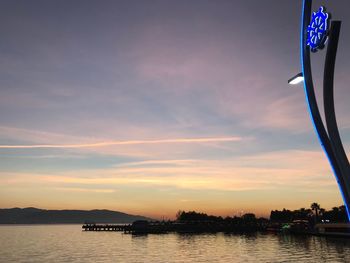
[67,243]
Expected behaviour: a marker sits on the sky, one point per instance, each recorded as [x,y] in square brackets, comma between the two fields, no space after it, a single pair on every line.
[150,107]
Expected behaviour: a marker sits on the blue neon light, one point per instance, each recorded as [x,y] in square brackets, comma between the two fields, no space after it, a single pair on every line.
[317,30]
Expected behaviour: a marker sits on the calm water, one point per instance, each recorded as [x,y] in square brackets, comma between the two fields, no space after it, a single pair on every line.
[67,243]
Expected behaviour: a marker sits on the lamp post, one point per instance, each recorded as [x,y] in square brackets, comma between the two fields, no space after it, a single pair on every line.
[315,31]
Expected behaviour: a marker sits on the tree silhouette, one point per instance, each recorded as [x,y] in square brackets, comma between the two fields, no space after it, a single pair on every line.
[315,207]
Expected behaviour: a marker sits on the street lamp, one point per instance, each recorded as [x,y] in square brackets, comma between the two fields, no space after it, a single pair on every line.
[315,31]
[296,79]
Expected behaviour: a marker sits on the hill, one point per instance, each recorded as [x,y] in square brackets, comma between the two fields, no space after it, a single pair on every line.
[33,215]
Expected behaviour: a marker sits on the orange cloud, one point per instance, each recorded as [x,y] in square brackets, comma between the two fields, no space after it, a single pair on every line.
[271,180]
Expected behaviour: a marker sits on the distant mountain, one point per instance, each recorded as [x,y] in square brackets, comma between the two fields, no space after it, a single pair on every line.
[33,215]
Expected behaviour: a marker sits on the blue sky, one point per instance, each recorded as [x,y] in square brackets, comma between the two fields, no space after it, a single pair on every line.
[86,72]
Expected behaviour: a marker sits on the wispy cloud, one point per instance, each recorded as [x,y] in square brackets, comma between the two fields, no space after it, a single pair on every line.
[301,169]
[133,142]
[75,189]
[260,178]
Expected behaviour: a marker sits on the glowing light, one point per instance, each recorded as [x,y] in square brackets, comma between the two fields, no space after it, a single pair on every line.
[296,79]
[317,30]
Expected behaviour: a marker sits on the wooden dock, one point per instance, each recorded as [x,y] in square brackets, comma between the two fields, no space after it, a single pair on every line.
[145,227]
[105,227]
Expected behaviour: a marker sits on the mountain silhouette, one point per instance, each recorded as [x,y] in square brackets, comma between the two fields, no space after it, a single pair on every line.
[31,215]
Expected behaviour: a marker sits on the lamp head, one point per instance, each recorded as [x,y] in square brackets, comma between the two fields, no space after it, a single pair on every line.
[296,79]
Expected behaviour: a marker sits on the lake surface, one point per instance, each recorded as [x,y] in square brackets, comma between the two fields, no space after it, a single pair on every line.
[67,243]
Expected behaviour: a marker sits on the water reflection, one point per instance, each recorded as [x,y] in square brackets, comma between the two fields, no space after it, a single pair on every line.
[67,243]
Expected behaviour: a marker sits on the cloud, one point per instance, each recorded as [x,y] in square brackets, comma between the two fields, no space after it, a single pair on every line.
[298,169]
[259,182]
[94,190]
[38,136]
[134,142]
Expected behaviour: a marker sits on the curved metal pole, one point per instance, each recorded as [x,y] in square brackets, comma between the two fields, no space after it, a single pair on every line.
[328,97]
[312,104]
[329,109]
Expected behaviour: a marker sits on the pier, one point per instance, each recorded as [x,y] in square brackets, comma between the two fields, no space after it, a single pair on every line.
[145,227]
[105,227]
[137,227]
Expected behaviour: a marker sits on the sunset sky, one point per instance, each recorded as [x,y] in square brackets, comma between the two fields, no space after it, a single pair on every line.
[148,107]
